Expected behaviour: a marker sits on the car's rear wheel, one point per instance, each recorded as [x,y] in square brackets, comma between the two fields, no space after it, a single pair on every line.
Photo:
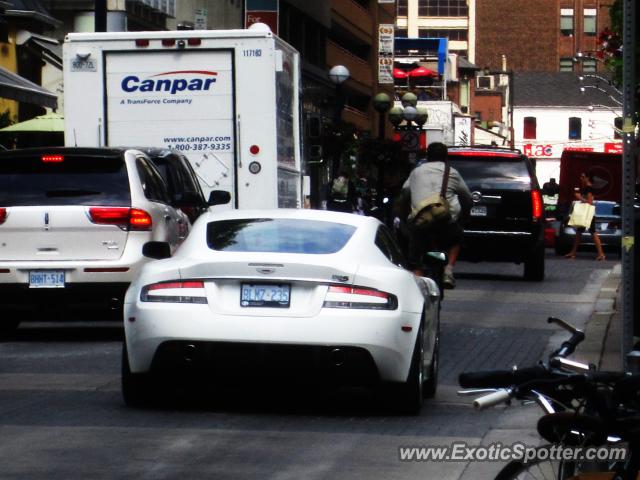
[562,245]
[534,265]
[431,385]
[410,395]
[8,325]
[137,388]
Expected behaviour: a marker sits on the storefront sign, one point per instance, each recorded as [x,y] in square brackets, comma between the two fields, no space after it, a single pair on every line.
[613,148]
[261,11]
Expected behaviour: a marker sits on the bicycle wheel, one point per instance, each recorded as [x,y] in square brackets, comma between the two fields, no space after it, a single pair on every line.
[537,469]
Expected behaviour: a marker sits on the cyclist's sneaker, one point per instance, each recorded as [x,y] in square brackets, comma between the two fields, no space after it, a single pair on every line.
[448,280]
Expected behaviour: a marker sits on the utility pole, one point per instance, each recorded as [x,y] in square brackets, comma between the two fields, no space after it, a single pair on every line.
[628,177]
[100,15]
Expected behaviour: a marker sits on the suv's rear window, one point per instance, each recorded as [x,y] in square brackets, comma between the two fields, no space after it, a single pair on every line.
[77,180]
[279,235]
[480,172]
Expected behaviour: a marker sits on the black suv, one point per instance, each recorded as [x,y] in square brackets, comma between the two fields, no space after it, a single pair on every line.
[506,222]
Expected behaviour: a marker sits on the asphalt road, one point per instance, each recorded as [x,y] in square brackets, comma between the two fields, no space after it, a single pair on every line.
[62,416]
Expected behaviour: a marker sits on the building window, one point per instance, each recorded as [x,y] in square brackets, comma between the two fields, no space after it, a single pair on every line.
[530,127]
[575,128]
[400,33]
[590,21]
[589,65]
[617,123]
[443,8]
[452,35]
[566,21]
[402,8]
[566,64]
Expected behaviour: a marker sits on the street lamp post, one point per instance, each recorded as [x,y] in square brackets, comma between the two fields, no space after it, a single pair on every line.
[338,75]
[410,113]
[382,103]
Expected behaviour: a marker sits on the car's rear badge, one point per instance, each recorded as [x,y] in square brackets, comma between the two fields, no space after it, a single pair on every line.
[340,278]
[476,196]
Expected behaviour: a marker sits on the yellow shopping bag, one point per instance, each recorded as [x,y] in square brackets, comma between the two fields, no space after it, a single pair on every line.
[581,215]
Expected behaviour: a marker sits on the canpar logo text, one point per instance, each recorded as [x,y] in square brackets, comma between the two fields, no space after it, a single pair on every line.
[132,83]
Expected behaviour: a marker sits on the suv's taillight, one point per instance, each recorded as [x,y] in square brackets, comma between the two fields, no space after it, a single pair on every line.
[537,205]
[3,215]
[123,217]
[339,296]
[175,292]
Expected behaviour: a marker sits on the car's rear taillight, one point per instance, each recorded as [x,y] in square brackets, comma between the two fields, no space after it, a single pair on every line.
[340,296]
[140,220]
[3,215]
[123,217]
[537,206]
[191,291]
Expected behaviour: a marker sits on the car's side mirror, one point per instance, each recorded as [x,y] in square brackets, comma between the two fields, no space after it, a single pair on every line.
[157,250]
[219,197]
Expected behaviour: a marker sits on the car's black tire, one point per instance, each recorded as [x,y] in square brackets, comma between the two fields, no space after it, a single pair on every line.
[410,394]
[562,245]
[431,384]
[534,265]
[8,325]
[137,388]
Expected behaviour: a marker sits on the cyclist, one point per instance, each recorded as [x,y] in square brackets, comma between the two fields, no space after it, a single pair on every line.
[425,181]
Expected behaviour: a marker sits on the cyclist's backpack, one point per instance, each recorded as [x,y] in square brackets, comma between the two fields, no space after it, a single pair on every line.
[434,210]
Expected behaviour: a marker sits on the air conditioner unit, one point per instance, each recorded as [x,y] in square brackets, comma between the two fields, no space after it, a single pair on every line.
[484,82]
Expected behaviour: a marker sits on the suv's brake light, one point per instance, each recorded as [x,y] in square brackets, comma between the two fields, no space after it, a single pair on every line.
[3,215]
[340,296]
[536,204]
[123,217]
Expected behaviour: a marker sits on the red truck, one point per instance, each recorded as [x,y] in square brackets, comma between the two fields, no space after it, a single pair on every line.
[604,168]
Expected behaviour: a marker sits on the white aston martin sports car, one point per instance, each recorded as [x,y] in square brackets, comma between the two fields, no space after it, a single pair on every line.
[315,294]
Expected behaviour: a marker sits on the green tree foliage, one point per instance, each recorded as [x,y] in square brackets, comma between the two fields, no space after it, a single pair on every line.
[610,45]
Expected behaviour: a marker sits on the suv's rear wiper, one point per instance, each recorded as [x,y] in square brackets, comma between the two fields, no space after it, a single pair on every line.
[71,192]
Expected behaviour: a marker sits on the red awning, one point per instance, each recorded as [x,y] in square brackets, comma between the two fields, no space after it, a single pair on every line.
[397,73]
[422,72]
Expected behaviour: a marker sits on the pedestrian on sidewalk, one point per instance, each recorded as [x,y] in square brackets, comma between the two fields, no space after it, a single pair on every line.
[584,193]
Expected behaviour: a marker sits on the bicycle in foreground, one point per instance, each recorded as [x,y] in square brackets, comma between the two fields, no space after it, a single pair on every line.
[584,411]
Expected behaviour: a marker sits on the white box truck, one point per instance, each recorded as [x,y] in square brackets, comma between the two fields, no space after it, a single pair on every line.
[227,99]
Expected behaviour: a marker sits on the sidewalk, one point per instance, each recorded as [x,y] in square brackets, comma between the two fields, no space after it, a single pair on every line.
[603,332]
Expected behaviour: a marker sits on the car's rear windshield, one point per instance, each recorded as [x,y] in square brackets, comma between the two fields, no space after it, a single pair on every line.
[68,180]
[278,235]
[484,172]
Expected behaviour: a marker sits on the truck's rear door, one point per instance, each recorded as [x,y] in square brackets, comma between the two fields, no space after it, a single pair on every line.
[180,99]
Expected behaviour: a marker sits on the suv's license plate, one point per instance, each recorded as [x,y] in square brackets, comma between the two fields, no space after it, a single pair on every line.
[479,211]
[264,295]
[46,279]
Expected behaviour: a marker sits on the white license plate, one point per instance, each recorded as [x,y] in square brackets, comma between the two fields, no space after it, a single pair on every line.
[46,279]
[264,295]
[479,211]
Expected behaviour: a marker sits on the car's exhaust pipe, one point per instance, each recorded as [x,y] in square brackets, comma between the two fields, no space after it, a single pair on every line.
[189,353]
[115,303]
[337,357]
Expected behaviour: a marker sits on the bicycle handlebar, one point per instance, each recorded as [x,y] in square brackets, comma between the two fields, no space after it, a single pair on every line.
[492,399]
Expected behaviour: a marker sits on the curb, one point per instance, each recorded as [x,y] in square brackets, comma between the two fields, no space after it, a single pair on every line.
[599,346]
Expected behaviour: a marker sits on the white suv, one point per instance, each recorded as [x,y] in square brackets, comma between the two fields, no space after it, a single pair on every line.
[72,225]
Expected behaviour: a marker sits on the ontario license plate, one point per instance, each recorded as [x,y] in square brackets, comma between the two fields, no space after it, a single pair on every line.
[46,279]
[479,211]
[265,295]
